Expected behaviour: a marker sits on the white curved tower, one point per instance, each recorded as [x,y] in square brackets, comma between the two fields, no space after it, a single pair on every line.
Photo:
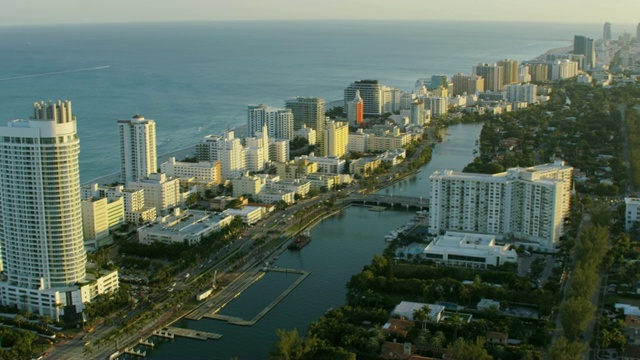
[137,148]
[40,212]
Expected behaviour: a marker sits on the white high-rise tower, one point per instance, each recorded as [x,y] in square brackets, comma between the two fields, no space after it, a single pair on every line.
[137,148]
[43,254]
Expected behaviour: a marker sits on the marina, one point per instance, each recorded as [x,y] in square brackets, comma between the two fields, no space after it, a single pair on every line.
[344,238]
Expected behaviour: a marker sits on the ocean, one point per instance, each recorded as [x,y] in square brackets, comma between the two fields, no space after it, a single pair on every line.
[197,78]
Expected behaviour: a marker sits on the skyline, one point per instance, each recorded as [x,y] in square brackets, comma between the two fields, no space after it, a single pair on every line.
[42,12]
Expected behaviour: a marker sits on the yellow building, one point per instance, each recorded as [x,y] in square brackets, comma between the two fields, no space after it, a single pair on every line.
[335,139]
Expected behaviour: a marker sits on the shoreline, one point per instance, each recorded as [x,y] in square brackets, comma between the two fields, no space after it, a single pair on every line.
[559,50]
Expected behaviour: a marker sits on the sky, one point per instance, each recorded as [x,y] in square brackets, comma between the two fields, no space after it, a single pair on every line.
[40,12]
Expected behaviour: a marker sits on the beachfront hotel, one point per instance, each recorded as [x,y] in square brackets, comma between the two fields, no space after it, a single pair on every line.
[526,204]
[43,253]
[137,148]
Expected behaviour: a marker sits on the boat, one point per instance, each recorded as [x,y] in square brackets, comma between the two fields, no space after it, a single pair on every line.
[300,241]
[392,236]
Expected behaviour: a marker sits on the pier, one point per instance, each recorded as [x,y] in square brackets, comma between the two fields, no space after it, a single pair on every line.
[172,332]
[134,352]
[233,320]
[146,343]
[192,334]
[226,294]
[163,334]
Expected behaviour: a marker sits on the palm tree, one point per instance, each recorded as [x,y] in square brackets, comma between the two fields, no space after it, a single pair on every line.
[455,322]
[18,319]
[422,314]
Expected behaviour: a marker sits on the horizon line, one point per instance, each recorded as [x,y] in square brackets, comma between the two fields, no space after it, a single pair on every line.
[386,20]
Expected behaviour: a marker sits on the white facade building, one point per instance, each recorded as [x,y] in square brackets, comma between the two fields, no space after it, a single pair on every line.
[226,149]
[279,122]
[525,93]
[43,253]
[279,150]
[527,203]
[160,192]
[99,216]
[201,170]
[406,309]
[249,214]
[306,133]
[469,250]
[187,227]
[632,212]
[137,148]
[358,141]
[329,165]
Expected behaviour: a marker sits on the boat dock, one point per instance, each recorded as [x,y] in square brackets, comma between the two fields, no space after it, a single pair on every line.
[134,352]
[146,343]
[242,322]
[187,333]
[163,334]
[226,294]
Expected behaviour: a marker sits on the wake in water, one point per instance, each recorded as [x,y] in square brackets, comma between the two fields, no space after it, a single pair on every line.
[56,72]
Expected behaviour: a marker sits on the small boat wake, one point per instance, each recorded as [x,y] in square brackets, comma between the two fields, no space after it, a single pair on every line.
[56,72]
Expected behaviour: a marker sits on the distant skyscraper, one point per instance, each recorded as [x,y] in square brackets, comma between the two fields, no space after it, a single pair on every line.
[509,71]
[43,254]
[308,111]
[583,45]
[417,113]
[355,110]
[469,84]
[279,122]
[137,148]
[227,150]
[638,33]
[370,91]
[492,74]
[606,34]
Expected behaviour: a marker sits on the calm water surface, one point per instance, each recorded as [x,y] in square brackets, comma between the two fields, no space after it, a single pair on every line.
[341,246]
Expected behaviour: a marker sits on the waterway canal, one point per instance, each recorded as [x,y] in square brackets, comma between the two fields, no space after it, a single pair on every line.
[340,247]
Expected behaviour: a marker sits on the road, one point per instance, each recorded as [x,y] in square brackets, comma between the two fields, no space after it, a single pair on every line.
[625,149]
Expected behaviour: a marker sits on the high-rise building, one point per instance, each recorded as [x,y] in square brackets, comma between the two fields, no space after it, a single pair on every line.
[335,139]
[279,122]
[539,72]
[467,84]
[509,71]
[390,99]
[563,69]
[307,111]
[160,192]
[606,33]
[583,45]
[371,93]
[355,110]
[417,113]
[638,33]
[226,149]
[439,106]
[43,253]
[522,92]
[137,148]
[492,74]
[526,203]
